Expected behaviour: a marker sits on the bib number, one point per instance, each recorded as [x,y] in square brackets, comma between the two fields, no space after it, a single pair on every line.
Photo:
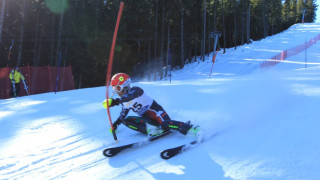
[136,107]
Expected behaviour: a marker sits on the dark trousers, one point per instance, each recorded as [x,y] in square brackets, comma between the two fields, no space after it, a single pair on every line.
[17,88]
[139,124]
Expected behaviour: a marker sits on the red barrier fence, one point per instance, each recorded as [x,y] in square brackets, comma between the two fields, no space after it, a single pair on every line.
[288,53]
[39,80]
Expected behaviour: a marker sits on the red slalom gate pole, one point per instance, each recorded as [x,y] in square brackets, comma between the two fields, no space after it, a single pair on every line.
[110,67]
[213,61]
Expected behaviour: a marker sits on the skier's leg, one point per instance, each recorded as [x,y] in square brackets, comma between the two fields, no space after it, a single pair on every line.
[177,125]
[17,89]
[162,119]
[156,117]
[11,91]
[135,123]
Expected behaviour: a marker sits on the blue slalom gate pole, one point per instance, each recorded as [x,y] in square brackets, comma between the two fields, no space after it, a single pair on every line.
[170,65]
[58,74]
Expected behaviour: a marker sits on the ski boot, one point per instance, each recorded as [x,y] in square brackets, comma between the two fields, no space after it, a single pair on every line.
[193,131]
[153,130]
[189,129]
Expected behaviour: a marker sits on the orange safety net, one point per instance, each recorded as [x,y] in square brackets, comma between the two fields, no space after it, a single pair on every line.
[39,80]
[289,52]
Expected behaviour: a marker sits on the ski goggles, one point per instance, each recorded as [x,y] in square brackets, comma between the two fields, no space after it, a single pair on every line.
[118,88]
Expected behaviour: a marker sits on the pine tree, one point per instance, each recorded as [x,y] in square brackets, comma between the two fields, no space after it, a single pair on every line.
[311,8]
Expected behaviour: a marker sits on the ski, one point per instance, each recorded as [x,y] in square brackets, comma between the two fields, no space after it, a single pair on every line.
[25,87]
[110,152]
[171,152]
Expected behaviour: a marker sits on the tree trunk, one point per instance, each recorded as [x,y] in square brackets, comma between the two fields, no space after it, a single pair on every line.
[195,42]
[3,4]
[59,37]
[162,42]
[248,24]
[97,14]
[209,25]
[52,38]
[264,19]
[235,28]
[155,40]
[149,63]
[21,33]
[181,36]
[224,30]
[40,46]
[149,60]
[242,24]
[215,16]
[168,46]
[204,29]
[36,40]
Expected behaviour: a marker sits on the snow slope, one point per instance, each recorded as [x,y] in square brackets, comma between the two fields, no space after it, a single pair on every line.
[266,121]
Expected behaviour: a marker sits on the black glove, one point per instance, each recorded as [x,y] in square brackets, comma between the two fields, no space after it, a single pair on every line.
[115,125]
[114,102]
[114,128]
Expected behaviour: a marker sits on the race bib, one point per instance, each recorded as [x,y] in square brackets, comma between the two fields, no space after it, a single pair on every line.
[139,105]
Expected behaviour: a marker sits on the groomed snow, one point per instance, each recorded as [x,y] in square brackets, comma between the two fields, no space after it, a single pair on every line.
[266,121]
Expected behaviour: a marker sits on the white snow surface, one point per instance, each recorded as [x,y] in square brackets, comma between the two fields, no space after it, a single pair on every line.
[266,122]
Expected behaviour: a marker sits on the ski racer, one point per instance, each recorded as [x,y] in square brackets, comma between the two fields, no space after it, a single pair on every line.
[15,76]
[152,120]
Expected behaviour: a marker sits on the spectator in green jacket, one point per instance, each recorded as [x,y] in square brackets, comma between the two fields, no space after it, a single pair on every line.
[15,76]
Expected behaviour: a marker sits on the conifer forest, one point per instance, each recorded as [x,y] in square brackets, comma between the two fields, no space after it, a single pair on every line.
[153,35]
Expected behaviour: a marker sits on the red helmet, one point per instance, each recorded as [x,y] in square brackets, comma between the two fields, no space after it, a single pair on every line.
[120,81]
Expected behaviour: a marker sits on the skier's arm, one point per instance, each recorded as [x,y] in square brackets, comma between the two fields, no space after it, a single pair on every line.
[132,94]
[122,116]
[11,77]
[22,77]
